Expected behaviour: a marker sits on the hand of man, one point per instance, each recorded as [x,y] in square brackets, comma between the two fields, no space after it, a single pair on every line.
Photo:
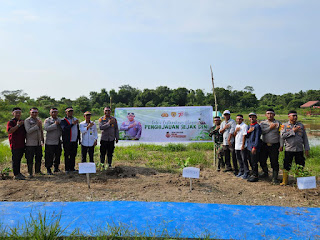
[227,126]
[250,129]
[242,147]
[280,149]
[217,127]
[117,140]
[254,151]
[20,122]
[57,122]
[111,121]
[229,142]
[307,153]
[95,143]
[75,122]
[131,125]
[90,124]
[39,123]
[273,125]
[296,129]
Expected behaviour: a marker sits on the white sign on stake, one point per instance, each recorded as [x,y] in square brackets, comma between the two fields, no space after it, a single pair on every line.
[306,182]
[191,172]
[87,168]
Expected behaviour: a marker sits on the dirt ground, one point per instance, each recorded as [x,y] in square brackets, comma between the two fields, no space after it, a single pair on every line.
[132,183]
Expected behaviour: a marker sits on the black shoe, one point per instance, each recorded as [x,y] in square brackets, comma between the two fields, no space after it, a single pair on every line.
[218,169]
[253,179]
[228,170]
[57,170]
[264,175]
[49,172]
[19,177]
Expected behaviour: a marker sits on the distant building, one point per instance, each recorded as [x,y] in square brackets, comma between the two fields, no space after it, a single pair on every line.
[312,108]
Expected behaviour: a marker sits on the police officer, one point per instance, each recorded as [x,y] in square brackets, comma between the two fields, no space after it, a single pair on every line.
[53,141]
[295,141]
[109,134]
[270,145]
[218,139]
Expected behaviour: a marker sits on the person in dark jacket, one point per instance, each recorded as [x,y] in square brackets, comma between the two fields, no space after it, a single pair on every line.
[17,140]
[254,145]
[70,139]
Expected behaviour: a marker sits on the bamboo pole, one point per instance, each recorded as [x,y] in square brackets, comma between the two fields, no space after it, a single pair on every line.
[216,111]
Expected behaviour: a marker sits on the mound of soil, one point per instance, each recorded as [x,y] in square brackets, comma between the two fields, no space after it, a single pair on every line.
[134,183]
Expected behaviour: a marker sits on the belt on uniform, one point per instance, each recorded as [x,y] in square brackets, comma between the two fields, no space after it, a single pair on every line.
[269,144]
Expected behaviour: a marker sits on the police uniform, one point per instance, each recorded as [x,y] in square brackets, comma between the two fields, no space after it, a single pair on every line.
[295,143]
[109,133]
[270,147]
[218,139]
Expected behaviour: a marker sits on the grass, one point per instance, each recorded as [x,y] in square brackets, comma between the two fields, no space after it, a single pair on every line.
[167,158]
[48,227]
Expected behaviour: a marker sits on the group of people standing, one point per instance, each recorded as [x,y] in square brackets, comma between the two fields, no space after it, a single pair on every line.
[26,137]
[253,144]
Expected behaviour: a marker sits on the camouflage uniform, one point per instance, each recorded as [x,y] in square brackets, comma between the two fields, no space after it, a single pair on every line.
[218,140]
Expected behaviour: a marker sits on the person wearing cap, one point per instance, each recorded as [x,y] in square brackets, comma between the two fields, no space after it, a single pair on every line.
[296,141]
[131,127]
[17,139]
[227,129]
[52,141]
[34,141]
[271,146]
[240,134]
[109,134]
[89,136]
[254,145]
[218,139]
[70,139]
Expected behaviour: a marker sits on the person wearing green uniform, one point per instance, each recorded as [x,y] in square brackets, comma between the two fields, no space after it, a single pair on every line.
[218,140]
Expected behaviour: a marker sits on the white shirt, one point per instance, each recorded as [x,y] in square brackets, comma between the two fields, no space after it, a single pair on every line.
[228,131]
[239,137]
[89,136]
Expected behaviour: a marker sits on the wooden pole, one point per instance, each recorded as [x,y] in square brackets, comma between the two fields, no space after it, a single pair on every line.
[216,111]
[88,179]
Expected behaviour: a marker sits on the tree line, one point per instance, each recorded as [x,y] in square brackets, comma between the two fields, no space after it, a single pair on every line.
[236,101]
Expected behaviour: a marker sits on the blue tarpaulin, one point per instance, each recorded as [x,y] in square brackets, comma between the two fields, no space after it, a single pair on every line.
[188,220]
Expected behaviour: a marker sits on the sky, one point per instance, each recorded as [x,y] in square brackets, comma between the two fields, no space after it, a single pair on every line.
[69,48]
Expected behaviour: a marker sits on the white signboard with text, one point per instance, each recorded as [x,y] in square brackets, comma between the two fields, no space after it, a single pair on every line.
[191,172]
[165,124]
[87,168]
[306,182]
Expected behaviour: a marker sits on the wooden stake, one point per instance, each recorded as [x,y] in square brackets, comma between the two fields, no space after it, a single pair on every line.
[88,179]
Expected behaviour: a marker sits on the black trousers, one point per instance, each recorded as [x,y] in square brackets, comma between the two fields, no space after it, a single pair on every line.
[254,158]
[106,147]
[288,158]
[273,153]
[52,155]
[227,150]
[84,151]
[70,153]
[17,155]
[243,161]
[36,153]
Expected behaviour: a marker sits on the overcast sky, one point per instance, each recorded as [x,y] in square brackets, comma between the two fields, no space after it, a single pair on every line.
[68,48]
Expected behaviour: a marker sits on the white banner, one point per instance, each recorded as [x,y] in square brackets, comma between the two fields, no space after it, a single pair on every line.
[165,124]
